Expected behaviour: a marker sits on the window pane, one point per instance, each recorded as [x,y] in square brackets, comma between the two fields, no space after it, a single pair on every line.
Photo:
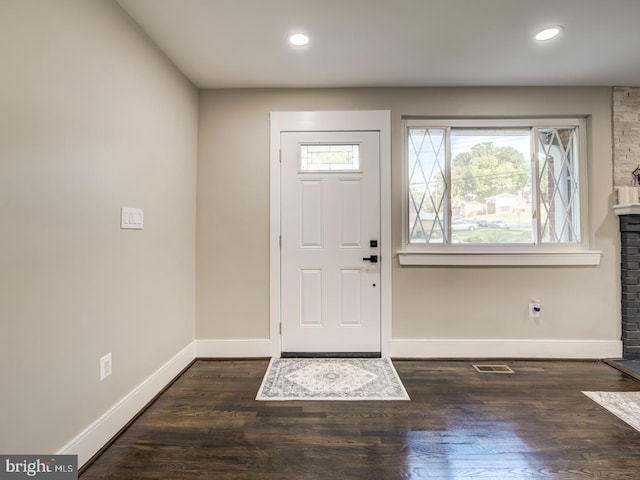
[427,184]
[558,185]
[322,158]
[491,186]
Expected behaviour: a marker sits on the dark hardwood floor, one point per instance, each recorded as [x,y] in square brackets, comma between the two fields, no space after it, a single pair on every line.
[533,424]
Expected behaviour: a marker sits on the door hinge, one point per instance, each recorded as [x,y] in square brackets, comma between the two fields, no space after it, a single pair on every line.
[280,328]
[280,155]
[280,241]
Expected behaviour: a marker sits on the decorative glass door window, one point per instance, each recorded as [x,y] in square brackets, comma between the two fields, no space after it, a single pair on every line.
[329,158]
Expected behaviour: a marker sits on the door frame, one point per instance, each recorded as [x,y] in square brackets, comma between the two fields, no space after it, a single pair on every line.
[328,121]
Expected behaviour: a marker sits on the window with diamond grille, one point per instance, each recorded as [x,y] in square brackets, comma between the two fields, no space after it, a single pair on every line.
[493,182]
[558,185]
[427,184]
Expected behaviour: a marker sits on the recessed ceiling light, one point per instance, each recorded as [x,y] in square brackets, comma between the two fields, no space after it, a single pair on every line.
[298,39]
[549,33]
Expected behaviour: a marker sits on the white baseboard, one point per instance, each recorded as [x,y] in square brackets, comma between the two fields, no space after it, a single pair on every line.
[96,435]
[236,348]
[560,349]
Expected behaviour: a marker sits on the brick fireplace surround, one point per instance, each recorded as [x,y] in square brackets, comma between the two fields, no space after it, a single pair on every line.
[630,280]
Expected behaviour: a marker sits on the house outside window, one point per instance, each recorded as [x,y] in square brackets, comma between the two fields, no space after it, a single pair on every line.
[494,184]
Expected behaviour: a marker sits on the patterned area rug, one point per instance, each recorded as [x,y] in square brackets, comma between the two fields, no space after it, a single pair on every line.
[331,379]
[624,405]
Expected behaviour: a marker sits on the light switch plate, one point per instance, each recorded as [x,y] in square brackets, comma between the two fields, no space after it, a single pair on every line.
[132,218]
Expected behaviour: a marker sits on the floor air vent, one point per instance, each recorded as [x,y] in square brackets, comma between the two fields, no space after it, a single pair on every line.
[493,369]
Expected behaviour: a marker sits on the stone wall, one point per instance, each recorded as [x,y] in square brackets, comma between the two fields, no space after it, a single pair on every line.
[626,145]
[626,133]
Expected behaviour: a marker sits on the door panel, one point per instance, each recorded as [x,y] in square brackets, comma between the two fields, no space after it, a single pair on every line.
[311,213]
[310,298]
[350,298]
[330,211]
[350,213]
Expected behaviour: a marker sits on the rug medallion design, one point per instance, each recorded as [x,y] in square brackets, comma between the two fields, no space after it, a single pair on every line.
[624,405]
[331,379]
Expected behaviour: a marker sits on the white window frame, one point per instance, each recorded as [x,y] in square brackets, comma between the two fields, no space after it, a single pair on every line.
[543,254]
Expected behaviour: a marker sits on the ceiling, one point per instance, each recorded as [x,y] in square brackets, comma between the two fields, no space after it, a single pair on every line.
[386,43]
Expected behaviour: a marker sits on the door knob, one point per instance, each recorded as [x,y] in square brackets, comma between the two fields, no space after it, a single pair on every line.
[372,259]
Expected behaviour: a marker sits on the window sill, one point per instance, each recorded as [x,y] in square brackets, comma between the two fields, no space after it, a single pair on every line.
[502,259]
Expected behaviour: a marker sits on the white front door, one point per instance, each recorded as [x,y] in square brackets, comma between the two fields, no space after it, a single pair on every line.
[330,229]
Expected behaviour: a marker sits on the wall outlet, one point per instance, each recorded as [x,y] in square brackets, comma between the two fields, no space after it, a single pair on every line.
[105,366]
[534,309]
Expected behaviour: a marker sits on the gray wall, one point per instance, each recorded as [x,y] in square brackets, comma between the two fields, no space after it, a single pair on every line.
[92,118]
[428,303]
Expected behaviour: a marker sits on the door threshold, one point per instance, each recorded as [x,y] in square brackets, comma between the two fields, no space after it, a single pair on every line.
[330,355]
